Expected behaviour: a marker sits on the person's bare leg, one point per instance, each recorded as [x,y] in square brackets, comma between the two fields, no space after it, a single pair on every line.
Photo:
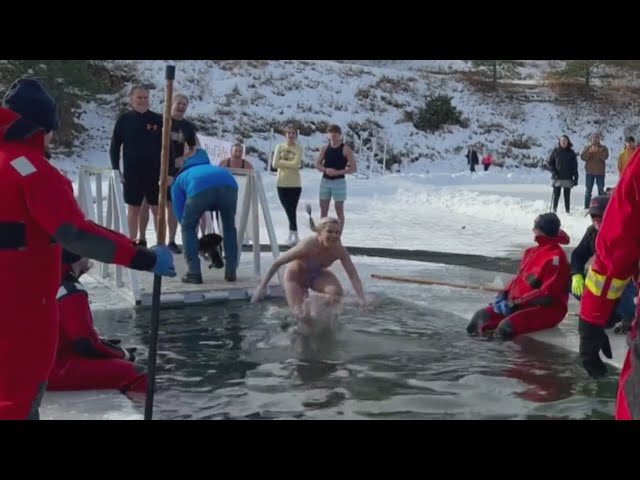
[324,207]
[325,308]
[339,206]
[143,222]
[295,294]
[133,219]
[327,284]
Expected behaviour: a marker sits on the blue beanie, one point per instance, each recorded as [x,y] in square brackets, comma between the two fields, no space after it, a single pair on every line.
[29,99]
[548,223]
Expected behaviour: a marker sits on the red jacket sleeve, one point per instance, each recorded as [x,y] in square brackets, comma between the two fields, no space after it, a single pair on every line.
[617,248]
[49,197]
[77,327]
[555,280]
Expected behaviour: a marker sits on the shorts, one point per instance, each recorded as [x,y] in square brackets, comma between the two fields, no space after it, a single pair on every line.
[336,188]
[135,191]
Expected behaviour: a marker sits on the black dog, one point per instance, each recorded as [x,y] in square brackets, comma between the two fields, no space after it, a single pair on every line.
[210,248]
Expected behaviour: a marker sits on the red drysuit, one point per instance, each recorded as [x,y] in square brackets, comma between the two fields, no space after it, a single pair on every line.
[38,213]
[614,266]
[84,361]
[538,293]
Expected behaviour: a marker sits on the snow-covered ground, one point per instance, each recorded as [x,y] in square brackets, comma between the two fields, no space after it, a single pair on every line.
[245,99]
[486,213]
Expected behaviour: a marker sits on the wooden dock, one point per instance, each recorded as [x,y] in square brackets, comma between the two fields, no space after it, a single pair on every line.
[214,289]
[136,288]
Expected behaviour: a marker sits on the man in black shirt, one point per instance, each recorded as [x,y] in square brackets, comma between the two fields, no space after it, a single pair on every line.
[182,132]
[139,133]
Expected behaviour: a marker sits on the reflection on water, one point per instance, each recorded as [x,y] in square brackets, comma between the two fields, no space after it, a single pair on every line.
[395,361]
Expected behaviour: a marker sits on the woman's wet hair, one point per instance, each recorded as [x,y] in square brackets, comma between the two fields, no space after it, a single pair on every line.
[322,223]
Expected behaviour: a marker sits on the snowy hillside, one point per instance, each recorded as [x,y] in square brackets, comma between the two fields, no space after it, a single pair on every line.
[520,123]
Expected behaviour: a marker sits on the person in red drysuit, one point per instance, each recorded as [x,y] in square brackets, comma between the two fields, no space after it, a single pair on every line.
[614,266]
[84,360]
[537,298]
[39,214]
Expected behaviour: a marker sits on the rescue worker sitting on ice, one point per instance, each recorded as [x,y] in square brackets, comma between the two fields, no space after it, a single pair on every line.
[84,361]
[537,298]
[623,315]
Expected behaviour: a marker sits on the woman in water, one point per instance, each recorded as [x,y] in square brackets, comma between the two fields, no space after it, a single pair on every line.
[308,268]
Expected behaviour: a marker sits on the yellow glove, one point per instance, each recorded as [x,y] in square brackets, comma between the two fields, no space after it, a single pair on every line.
[577,285]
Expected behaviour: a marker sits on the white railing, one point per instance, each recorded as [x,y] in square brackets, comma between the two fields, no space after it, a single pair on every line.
[255,198]
[90,198]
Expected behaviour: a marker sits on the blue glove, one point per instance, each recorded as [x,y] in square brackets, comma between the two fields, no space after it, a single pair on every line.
[504,308]
[501,304]
[500,298]
[164,261]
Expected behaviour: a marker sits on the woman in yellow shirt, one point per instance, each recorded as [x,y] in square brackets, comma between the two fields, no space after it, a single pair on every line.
[626,154]
[287,159]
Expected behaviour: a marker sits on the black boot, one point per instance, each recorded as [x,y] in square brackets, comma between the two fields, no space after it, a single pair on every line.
[504,330]
[173,246]
[195,278]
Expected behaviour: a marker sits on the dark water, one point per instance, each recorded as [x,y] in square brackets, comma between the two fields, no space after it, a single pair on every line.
[397,361]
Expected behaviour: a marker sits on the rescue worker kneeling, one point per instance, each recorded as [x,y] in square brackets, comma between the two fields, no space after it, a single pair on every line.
[84,361]
[622,317]
[537,298]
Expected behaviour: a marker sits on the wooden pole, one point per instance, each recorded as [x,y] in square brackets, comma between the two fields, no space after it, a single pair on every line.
[425,281]
[170,74]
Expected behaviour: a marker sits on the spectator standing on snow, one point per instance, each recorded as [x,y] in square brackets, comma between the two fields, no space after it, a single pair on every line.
[563,164]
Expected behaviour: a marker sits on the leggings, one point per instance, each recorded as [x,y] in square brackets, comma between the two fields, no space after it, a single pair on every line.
[556,198]
[289,197]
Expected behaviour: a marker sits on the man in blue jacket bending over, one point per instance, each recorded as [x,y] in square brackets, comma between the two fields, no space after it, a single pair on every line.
[200,187]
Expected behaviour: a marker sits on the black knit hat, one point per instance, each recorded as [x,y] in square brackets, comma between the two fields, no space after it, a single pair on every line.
[548,223]
[28,98]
